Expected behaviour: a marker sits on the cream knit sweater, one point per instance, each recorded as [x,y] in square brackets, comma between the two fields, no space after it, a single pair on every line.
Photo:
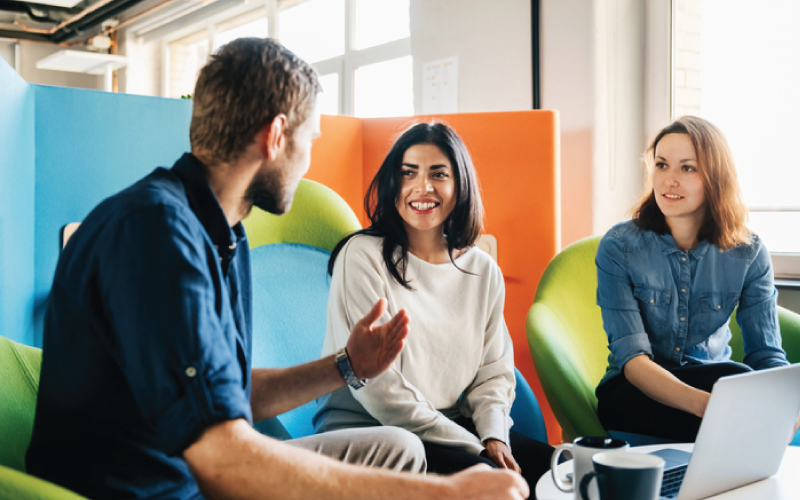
[458,357]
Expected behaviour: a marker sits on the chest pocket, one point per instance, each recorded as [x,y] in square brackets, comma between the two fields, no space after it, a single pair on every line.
[715,309]
[654,305]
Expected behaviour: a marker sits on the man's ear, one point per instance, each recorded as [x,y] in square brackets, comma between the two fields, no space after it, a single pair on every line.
[273,137]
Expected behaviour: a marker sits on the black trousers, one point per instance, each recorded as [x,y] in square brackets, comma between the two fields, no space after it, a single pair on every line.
[532,456]
[623,407]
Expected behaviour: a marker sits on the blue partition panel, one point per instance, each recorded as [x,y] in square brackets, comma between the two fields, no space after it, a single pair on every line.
[16,205]
[89,145]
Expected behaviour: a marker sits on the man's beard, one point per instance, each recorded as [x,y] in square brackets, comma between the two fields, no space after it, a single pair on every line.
[268,192]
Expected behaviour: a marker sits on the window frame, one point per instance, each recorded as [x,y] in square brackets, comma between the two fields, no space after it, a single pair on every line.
[346,64]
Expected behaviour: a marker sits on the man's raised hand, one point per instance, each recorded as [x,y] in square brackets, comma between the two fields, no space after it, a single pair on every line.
[372,348]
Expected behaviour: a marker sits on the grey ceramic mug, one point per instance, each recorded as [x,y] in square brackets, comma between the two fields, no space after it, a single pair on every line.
[625,476]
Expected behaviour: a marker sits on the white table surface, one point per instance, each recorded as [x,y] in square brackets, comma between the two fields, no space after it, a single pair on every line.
[784,485]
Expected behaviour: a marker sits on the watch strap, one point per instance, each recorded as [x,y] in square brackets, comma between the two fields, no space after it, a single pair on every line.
[346,370]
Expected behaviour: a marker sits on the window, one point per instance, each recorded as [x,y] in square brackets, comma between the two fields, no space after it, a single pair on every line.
[360,48]
[365,65]
[314,30]
[384,89]
[736,64]
[187,55]
[328,100]
[380,22]
[249,25]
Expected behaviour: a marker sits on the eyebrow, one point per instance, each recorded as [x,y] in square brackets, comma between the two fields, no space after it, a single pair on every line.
[682,161]
[433,167]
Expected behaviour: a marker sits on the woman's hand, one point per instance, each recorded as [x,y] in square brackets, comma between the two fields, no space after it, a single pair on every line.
[498,452]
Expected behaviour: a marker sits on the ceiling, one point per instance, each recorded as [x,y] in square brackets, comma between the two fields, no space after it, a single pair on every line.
[65,21]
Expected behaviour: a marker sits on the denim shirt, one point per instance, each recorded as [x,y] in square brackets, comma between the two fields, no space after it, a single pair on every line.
[674,305]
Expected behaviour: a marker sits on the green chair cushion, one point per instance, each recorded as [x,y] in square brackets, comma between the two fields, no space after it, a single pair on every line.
[19,373]
[19,486]
[319,217]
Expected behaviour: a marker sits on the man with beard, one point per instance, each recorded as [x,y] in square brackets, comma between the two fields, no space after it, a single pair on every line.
[146,386]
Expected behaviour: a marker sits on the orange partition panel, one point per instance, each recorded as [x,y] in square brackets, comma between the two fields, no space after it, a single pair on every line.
[336,159]
[516,155]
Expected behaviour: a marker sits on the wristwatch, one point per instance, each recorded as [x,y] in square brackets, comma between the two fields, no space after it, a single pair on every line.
[343,362]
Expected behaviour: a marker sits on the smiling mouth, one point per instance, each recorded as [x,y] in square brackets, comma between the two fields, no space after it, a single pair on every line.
[672,196]
[423,206]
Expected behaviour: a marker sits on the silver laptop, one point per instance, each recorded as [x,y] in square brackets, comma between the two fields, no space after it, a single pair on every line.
[745,432]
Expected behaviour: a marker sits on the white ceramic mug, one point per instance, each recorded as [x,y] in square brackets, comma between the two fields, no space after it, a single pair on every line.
[582,451]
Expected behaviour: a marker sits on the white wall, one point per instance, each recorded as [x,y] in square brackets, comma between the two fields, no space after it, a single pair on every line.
[603,70]
[492,41]
[619,123]
[566,56]
[142,75]
[7,51]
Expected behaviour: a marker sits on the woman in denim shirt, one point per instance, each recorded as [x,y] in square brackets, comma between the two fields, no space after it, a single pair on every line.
[668,281]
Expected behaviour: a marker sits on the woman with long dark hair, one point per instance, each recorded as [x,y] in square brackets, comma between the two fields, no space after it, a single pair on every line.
[453,383]
[668,281]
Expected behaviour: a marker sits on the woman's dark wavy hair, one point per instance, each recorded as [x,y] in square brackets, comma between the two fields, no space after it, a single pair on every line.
[462,227]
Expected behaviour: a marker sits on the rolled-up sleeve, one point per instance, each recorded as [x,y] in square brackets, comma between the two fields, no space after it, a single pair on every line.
[622,319]
[171,334]
[757,315]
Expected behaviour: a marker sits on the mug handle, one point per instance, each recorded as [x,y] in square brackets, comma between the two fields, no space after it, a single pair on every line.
[561,485]
[587,478]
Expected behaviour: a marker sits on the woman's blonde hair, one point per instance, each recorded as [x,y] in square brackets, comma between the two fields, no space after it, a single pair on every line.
[726,213]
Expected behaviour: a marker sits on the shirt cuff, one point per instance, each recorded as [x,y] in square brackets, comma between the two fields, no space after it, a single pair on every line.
[630,346]
[492,424]
[766,358]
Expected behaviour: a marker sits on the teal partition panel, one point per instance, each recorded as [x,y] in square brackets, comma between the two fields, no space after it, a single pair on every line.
[16,206]
[89,145]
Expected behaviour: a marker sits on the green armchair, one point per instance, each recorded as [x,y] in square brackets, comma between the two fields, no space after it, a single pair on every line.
[19,372]
[569,347]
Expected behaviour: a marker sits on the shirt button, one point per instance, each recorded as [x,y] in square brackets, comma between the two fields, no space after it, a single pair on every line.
[678,349]
[683,319]
[683,259]
[191,371]
[719,306]
[683,290]
[651,301]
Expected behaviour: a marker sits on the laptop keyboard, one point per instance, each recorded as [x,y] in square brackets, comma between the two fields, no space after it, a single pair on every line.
[672,482]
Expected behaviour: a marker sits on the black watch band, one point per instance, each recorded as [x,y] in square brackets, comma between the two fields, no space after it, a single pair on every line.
[343,362]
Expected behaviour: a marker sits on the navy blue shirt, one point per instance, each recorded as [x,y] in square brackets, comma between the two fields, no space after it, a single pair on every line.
[147,340]
[675,305]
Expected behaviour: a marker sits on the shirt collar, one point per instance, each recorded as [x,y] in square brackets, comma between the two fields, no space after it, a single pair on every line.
[204,204]
[668,246]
